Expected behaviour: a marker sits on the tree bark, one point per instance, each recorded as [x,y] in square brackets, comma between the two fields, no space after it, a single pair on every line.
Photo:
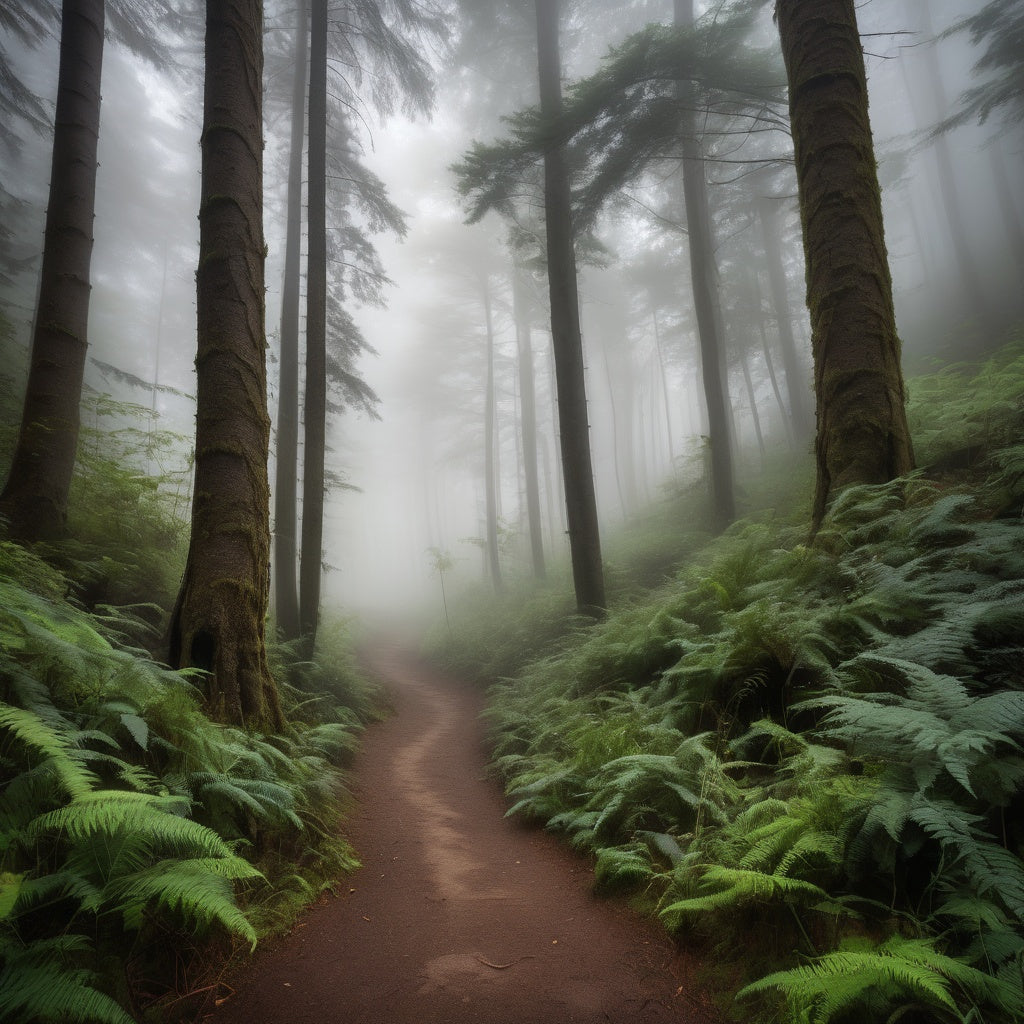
[218,620]
[574,429]
[35,497]
[490,471]
[528,422]
[862,434]
[704,275]
[315,408]
[286,598]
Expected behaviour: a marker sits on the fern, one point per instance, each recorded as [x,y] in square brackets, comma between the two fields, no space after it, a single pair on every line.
[876,982]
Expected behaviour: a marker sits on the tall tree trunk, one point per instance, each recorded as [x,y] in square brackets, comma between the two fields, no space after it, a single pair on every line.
[796,384]
[218,621]
[490,471]
[35,497]
[952,208]
[752,402]
[862,434]
[528,421]
[286,598]
[664,391]
[315,408]
[1007,208]
[704,275]
[574,429]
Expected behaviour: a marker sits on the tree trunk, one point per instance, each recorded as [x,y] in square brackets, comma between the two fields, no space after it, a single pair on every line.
[799,413]
[286,598]
[664,392]
[1007,208]
[862,434]
[315,408]
[490,472]
[35,498]
[752,402]
[704,275]
[528,422]
[952,208]
[574,429]
[218,621]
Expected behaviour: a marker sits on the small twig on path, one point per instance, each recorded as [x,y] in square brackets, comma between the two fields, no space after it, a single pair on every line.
[502,967]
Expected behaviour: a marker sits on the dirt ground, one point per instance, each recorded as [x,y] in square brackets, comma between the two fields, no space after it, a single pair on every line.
[458,915]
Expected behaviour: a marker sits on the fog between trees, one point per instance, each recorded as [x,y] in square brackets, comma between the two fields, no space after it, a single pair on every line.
[952,204]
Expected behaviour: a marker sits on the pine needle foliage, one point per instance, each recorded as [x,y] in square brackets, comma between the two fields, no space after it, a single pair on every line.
[816,748]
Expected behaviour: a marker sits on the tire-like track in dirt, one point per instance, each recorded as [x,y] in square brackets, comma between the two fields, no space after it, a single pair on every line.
[458,915]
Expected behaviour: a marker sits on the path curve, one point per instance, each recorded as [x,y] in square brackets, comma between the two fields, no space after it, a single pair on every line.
[458,915]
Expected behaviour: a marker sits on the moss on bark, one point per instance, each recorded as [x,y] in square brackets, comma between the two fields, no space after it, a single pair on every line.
[219,619]
[862,433]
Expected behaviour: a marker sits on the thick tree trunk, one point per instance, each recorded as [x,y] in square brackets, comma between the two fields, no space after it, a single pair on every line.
[862,434]
[35,498]
[315,408]
[528,422]
[286,598]
[704,275]
[796,384]
[574,428]
[490,470]
[218,621]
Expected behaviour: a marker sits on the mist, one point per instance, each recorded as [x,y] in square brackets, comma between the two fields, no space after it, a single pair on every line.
[411,484]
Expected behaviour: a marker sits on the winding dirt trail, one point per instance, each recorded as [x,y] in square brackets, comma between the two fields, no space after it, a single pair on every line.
[458,915]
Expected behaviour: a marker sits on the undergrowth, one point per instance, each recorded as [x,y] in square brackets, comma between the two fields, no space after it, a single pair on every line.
[130,823]
[810,757]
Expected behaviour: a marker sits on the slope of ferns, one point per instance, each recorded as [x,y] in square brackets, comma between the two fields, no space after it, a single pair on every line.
[818,749]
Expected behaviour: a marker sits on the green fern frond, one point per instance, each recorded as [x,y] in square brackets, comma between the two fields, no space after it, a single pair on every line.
[199,891]
[897,972]
[51,744]
[54,993]
[734,887]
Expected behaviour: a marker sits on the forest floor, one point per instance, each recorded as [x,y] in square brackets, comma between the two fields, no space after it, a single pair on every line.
[458,914]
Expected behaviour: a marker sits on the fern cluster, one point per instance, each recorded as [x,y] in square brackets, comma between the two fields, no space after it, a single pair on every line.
[821,745]
[127,817]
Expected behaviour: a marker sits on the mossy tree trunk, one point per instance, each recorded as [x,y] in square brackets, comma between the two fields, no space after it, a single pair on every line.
[567,344]
[219,619]
[862,434]
[286,598]
[35,497]
[315,406]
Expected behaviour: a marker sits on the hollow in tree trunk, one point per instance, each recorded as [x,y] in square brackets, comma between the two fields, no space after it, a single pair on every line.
[862,434]
[218,620]
[35,497]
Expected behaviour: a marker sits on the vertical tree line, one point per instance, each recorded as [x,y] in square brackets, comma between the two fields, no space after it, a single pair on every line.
[219,619]
[35,496]
[573,422]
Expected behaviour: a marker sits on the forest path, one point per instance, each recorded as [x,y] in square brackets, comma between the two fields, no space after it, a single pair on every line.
[458,915]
